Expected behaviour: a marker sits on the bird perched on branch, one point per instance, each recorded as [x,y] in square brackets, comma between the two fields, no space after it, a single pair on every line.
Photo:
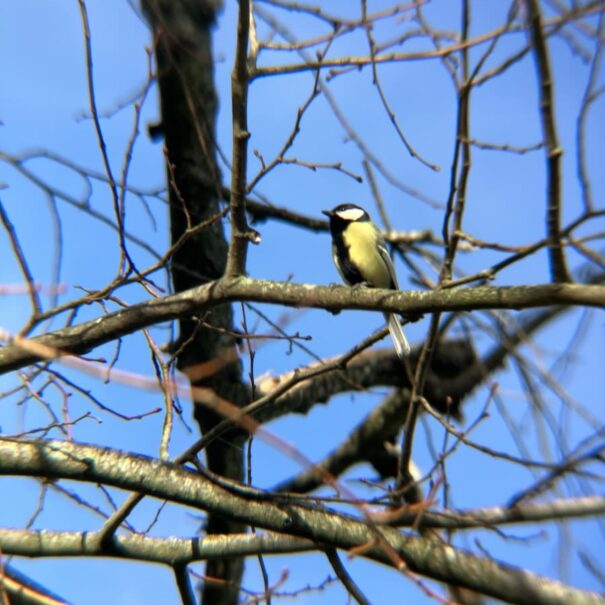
[361,257]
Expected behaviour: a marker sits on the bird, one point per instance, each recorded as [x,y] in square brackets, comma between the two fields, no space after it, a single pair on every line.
[361,257]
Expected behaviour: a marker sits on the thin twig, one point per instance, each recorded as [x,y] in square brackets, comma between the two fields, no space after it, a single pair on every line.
[382,94]
[100,138]
[345,578]
[32,289]
[240,232]
[554,151]
[590,96]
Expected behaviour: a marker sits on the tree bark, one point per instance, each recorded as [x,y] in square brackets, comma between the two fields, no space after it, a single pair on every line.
[183,47]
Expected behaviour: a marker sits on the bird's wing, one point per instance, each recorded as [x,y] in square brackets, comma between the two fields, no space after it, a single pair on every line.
[386,257]
[402,346]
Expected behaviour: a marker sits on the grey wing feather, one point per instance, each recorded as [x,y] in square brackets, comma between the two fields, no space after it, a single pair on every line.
[386,257]
[402,346]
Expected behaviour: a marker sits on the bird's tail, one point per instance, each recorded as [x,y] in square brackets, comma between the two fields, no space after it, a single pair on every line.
[402,346]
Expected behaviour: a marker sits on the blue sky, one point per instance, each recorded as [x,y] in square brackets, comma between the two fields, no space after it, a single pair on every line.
[42,104]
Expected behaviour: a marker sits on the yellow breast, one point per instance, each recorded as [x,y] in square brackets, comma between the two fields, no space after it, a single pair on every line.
[360,239]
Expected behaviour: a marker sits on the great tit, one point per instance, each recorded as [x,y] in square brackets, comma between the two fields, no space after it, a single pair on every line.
[361,257]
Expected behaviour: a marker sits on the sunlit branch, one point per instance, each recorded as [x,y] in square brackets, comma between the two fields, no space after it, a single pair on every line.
[47,543]
[173,550]
[441,562]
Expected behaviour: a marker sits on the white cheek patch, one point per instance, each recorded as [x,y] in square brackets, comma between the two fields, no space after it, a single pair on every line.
[351,214]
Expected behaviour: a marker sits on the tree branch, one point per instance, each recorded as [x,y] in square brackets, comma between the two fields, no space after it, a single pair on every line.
[183,47]
[181,551]
[55,459]
[139,547]
[554,152]
[84,337]
[240,232]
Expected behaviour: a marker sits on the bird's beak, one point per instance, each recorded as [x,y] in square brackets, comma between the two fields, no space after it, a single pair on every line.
[327,212]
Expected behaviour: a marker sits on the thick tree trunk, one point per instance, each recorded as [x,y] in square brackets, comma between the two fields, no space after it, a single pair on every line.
[182,34]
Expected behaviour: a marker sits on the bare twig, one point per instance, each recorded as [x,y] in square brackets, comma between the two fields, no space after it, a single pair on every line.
[554,152]
[591,94]
[240,232]
[385,103]
[101,139]
[32,289]
[344,576]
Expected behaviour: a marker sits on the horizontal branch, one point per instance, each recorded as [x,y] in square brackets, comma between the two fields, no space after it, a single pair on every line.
[138,547]
[65,460]
[84,337]
[564,508]
[180,551]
